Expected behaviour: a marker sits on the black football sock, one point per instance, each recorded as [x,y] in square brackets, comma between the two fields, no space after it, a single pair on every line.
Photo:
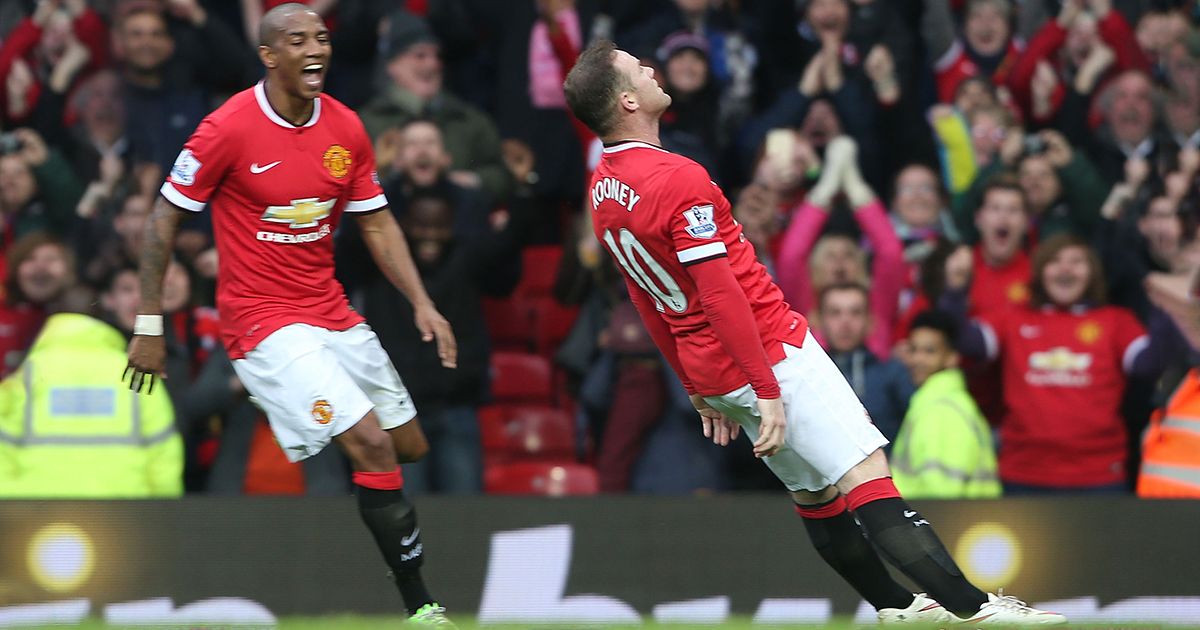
[841,543]
[393,522]
[908,541]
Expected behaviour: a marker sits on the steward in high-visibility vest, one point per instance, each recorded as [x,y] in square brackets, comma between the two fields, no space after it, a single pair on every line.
[944,449]
[1171,448]
[70,429]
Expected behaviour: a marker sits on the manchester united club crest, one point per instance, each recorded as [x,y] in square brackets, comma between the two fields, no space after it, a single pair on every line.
[1088,332]
[337,160]
[322,412]
[1018,293]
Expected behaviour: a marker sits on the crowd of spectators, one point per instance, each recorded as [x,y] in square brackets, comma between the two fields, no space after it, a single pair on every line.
[988,210]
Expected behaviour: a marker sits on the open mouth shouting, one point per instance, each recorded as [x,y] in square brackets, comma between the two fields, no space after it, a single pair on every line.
[313,76]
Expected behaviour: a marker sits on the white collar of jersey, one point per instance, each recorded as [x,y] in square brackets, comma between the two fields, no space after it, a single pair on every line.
[260,95]
[631,144]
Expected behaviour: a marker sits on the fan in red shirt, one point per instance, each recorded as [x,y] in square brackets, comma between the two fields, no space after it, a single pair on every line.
[1065,357]
[280,164]
[748,361]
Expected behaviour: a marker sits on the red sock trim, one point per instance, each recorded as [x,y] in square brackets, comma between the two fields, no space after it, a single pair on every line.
[873,490]
[379,480]
[829,509]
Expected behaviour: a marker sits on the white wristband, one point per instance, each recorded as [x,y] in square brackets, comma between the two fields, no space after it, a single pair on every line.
[148,325]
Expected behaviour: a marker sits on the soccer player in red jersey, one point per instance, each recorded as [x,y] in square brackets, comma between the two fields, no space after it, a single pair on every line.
[280,164]
[749,362]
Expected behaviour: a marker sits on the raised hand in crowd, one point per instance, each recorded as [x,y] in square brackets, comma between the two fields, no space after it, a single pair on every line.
[188,10]
[831,50]
[1058,149]
[812,81]
[112,169]
[75,7]
[33,148]
[1098,61]
[1045,81]
[1012,147]
[881,69]
[387,152]
[20,81]
[519,159]
[1099,8]
[75,57]
[43,10]
[959,266]
[1137,169]
[1069,11]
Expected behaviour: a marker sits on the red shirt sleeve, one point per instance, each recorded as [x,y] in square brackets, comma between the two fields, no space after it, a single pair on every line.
[1128,336]
[1115,32]
[199,168]
[364,193]
[696,225]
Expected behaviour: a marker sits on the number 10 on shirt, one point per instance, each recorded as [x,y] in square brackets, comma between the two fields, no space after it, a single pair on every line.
[669,294]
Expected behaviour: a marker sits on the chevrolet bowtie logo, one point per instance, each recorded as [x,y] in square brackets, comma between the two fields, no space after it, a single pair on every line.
[303,213]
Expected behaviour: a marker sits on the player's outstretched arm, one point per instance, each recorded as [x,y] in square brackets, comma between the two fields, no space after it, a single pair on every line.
[386,243]
[148,350]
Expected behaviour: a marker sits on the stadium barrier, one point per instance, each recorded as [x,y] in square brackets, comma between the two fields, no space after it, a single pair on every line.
[687,559]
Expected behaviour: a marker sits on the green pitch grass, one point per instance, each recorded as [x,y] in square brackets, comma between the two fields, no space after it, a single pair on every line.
[361,622]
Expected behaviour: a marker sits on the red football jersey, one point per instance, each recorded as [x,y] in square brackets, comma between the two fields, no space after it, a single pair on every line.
[657,212]
[1064,376]
[277,192]
[955,66]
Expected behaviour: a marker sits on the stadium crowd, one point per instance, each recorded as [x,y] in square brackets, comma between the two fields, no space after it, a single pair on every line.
[988,209]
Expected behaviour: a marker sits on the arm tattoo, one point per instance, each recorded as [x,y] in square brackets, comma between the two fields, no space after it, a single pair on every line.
[157,247]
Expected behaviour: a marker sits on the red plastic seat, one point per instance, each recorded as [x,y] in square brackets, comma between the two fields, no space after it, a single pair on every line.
[521,378]
[510,323]
[539,269]
[539,478]
[526,432]
[552,323]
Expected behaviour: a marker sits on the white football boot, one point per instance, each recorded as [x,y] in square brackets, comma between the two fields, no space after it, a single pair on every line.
[1006,610]
[923,610]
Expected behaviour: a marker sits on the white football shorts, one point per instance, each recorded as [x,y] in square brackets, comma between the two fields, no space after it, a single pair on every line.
[828,429]
[314,384]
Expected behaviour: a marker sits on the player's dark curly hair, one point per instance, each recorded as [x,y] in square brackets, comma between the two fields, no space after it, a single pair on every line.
[592,85]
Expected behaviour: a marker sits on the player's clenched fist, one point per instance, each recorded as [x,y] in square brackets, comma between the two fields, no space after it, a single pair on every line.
[433,326]
[147,359]
[772,428]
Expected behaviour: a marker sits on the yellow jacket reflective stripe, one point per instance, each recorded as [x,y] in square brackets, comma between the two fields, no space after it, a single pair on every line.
[70,428]
[1171,448]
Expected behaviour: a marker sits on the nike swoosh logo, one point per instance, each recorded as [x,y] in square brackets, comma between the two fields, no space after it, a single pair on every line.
[909,514]
[256,169]
[411,538]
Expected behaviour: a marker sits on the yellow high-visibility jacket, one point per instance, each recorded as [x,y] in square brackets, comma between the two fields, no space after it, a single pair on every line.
[69,428]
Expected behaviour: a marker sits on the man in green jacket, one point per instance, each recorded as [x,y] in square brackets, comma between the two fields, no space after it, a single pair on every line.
[944,449]
[68,429]
[414,90]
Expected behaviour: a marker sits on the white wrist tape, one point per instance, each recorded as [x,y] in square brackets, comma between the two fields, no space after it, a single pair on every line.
[148,325]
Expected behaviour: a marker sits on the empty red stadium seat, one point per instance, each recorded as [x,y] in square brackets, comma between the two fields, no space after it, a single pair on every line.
[510,324]
[519,377]
[538,478]
[552,322]
[526,432]
[539,268]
